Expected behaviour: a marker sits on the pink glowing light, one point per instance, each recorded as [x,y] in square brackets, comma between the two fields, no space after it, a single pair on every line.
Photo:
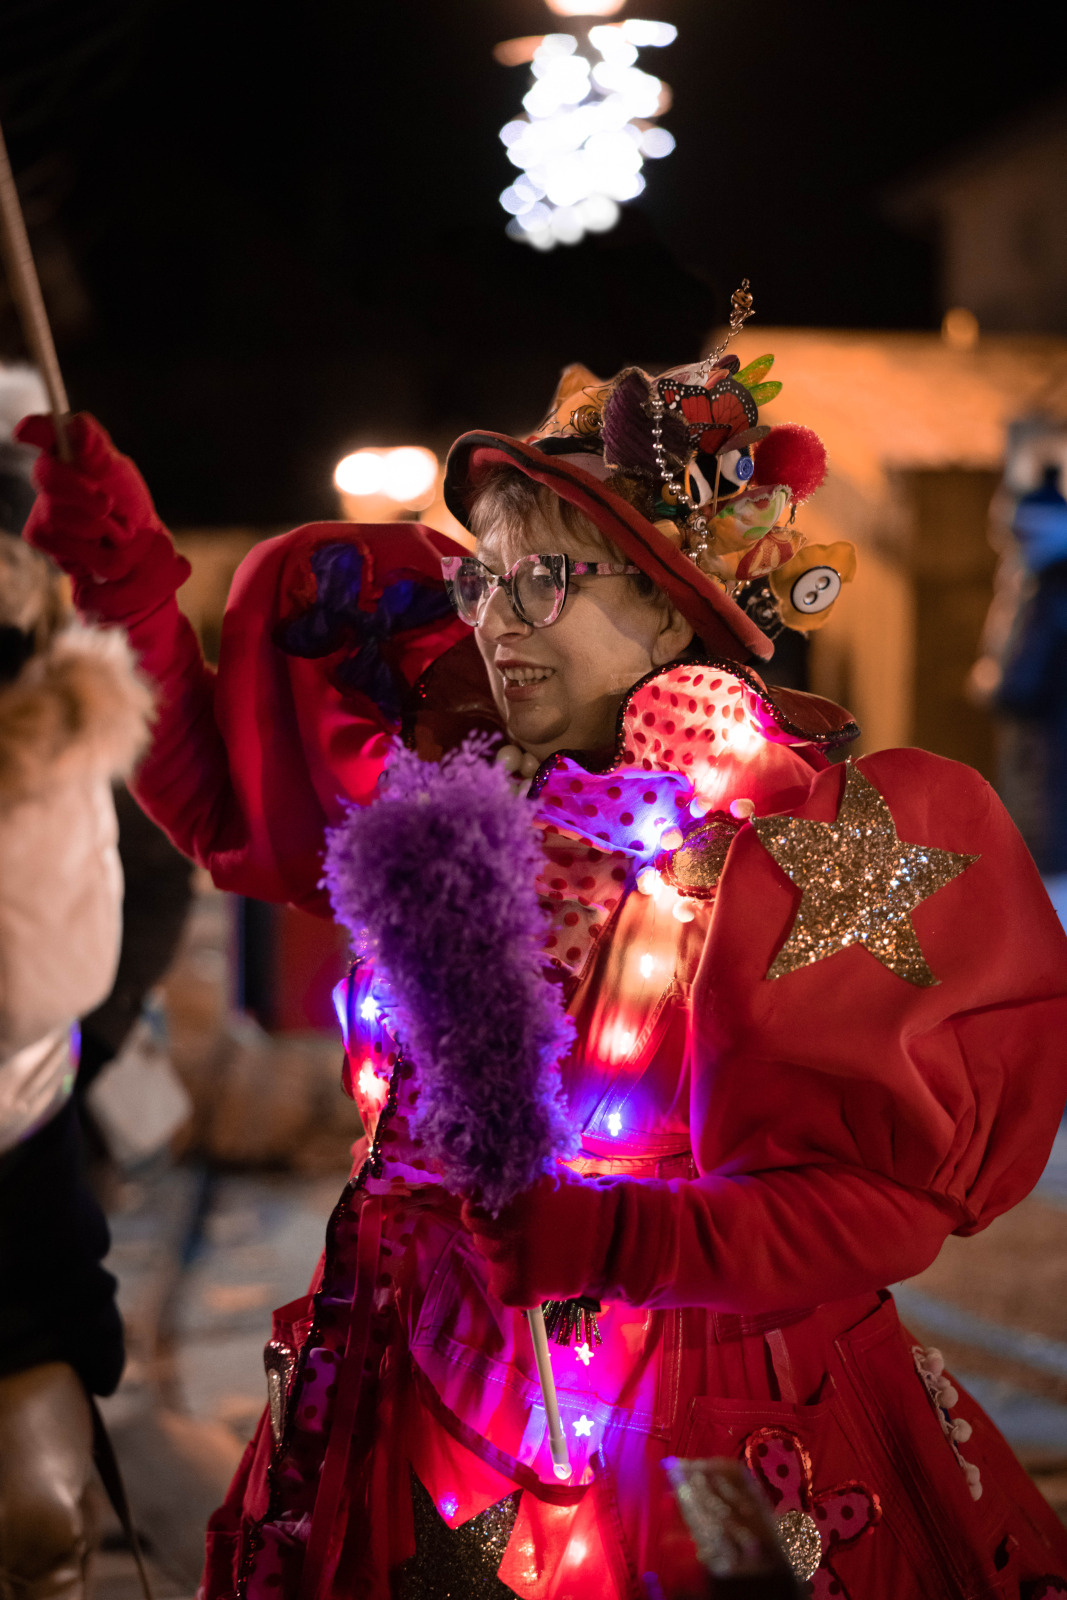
[370,1085]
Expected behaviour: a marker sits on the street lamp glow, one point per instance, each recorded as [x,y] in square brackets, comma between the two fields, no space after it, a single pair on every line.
[406,475]
[585,8]
[409,475]
[360,473]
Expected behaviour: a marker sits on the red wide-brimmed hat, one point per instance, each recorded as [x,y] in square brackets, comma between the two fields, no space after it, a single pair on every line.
[579,478]
[722,489]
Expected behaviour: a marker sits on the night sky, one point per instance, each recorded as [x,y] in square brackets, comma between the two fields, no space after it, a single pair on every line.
[272,235]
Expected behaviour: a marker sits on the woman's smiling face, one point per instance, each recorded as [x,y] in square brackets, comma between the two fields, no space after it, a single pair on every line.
[560,687]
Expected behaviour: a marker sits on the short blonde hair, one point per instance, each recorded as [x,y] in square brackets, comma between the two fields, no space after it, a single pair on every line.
[507,501]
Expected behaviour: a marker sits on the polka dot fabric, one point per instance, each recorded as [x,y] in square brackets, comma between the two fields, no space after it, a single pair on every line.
[782,1466]
[690,713]
[692,731]
[586,871]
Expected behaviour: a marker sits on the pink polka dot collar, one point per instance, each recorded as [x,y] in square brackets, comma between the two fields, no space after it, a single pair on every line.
[693,740]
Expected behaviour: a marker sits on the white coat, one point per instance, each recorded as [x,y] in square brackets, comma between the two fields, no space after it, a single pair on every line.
[72,721]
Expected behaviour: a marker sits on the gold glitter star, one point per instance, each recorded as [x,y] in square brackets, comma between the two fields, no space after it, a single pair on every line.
[860,883]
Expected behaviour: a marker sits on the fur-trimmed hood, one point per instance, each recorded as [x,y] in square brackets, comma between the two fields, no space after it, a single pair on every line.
[78,708]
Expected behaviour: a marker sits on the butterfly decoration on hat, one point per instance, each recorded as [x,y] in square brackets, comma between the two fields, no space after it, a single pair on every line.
[724,486]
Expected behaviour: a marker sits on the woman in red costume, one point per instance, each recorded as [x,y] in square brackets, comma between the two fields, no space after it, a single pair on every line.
[818,1015]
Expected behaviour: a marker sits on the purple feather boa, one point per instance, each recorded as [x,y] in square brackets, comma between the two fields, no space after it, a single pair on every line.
[438,877]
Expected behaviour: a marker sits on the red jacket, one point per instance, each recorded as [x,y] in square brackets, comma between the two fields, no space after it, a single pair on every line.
[778,1149]
[763,1149]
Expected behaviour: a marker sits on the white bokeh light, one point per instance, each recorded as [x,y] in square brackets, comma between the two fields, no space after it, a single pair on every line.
[640,32]
[360,473]
[656,143]
[406,475]
[586,134]
[409,474]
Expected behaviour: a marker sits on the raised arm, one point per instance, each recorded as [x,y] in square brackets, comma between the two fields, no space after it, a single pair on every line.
[94,516]
[326,631]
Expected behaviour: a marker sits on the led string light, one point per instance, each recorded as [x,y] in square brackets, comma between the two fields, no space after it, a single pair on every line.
[370,1085]
[589,127]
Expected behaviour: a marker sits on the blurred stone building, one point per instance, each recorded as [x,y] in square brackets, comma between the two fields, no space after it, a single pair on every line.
[915,428]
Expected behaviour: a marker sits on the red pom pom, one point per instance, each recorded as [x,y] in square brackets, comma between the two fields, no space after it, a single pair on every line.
[793,456]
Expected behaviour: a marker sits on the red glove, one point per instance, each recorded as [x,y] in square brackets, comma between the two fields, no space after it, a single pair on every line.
[551,1243]
[767,1242]
[94,516]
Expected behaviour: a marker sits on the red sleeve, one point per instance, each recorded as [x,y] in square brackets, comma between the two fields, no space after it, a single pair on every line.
[844,1120]
[326,630]
[953,1089]
[248,768]
[776,1241]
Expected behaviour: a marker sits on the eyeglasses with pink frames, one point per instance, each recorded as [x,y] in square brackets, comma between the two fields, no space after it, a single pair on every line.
[536,586]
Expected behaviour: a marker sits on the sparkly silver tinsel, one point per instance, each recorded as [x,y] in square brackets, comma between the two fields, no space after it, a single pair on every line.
[728,1520]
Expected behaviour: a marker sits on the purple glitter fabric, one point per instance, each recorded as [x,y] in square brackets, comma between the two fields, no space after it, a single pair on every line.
[439,876]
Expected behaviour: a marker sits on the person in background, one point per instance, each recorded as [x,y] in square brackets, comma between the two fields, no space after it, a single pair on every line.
[157,877]
[158,894]
[1033,687]
[20,390]
[73,715]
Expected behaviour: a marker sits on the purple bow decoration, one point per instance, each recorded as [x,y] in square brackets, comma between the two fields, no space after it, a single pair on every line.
[335,621]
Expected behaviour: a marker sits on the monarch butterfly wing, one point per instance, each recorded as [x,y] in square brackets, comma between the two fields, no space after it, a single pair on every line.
[732,410]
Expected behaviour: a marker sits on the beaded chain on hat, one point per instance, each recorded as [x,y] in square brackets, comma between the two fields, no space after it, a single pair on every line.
[741,308]
[715,481]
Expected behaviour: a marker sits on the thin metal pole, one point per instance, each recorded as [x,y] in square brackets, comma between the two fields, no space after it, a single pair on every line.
[26,293]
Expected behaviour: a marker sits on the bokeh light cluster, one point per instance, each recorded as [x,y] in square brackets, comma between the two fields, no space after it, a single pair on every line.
[406,474]
[589,127]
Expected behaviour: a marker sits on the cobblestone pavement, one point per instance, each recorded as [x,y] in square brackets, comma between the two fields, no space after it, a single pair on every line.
[203,1259]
